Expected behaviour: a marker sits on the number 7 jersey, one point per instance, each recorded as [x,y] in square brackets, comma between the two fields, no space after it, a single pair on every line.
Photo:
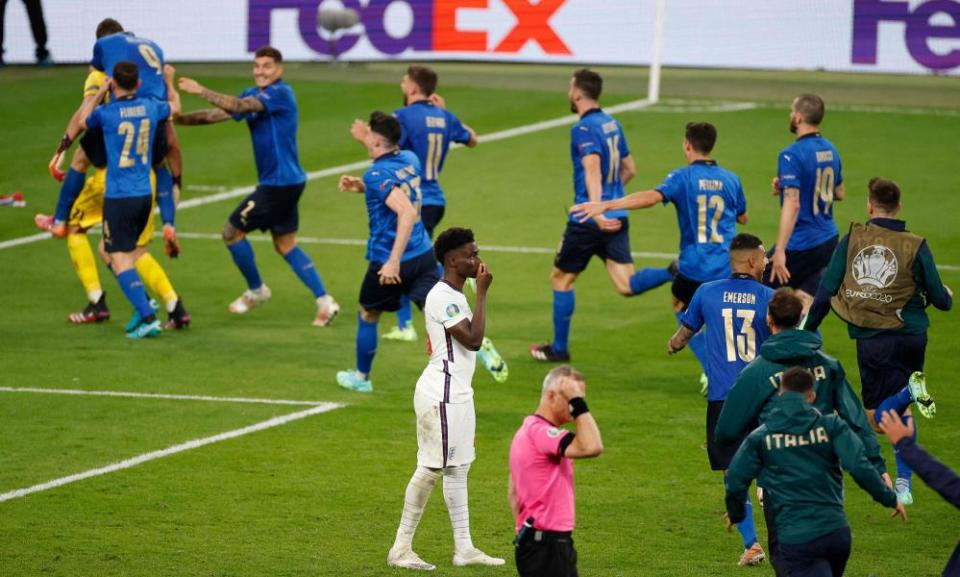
[811,165]
[734,311]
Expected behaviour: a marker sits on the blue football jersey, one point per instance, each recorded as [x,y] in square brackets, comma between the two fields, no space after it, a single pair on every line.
[146,54]
[129,126]
[274,134]
[734,311]
[392,170]
[428,132]
[708,199]
[812,165]
[598,133]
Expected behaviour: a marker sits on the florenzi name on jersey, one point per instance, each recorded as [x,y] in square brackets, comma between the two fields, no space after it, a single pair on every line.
[436,122]
[710,185]
[739,298]
[824,156]
[611,126]
[133,111]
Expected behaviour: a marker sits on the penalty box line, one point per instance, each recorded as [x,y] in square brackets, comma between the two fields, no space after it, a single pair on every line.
[317,409]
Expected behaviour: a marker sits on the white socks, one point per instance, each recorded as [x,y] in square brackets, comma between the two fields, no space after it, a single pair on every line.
[418,491]
[455,495]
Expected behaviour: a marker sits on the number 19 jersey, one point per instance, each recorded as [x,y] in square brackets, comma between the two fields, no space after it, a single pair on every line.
[598,133]
[734,311]
[811,165]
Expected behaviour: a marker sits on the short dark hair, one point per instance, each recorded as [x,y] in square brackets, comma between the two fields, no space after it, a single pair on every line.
[107,27]
[126,74]
[588,82]
[745,241]
[811,108]
[451,239]
[702,136]
[884,194]
[269,52]
[785,308]
[425,78]
[797,380]
[386,125]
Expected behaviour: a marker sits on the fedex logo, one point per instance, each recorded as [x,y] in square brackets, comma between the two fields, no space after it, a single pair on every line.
[919,29]
[434,26]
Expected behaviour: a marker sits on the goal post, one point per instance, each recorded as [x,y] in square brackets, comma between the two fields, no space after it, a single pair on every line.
[656,52]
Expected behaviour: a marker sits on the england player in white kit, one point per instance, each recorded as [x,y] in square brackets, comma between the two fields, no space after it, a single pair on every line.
[443,402]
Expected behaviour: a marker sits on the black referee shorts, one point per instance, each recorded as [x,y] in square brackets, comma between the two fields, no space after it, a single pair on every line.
[552,556]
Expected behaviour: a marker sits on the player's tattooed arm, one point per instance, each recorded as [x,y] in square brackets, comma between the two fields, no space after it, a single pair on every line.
[679,340]
[208,116]
[225,102]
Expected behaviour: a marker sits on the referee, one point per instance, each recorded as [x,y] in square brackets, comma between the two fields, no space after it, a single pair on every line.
[541,475]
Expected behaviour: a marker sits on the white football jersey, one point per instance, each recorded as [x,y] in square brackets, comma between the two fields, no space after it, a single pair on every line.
[449,373]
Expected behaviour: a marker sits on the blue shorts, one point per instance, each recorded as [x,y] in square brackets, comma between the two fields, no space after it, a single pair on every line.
[886,362]
[582,241]
[272,208]
[805,266]
[417,276]
[124,220]
[431,216]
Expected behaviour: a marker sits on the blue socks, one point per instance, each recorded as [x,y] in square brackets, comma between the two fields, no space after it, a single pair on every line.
[563,305]
[405,314]
[649,278]
[69,191]
[133,289]
[242,254]
[746,528]
[303,266]
[165,200]
[366,345]
[897,402]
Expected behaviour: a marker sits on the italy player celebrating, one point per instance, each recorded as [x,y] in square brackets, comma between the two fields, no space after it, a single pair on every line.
[808,181]
[398,250]
[601,166]
[734,311]
[271,113]
[710,202]
[428,131]
[443,401]
[129,193]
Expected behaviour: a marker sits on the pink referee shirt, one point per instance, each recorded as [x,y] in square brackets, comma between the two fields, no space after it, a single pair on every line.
[542,477]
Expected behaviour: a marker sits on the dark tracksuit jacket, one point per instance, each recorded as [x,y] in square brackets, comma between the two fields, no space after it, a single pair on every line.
[930,289]
[797,455]
[751,399]
[941,479]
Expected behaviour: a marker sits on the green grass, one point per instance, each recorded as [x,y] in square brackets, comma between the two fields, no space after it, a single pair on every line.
[322,496]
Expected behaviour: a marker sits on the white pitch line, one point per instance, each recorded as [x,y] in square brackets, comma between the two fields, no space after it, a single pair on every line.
[491,248]
[335,170]
[128,394]
[187,446]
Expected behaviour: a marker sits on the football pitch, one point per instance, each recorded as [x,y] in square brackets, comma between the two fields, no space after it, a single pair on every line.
[195,473]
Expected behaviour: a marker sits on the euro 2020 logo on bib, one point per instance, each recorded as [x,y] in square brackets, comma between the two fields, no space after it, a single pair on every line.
[875,266]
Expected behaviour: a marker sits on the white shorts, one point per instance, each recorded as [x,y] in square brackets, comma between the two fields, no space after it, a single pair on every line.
[445,432]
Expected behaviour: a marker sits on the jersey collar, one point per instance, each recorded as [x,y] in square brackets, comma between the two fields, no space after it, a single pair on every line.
[811,135]
[545,420]
[591,111]
[742,276]
[890,223]
[444,281]
[387,155]
[705,162]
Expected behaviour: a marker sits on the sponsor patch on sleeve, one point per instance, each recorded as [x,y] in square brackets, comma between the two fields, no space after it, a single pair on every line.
[452,310]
